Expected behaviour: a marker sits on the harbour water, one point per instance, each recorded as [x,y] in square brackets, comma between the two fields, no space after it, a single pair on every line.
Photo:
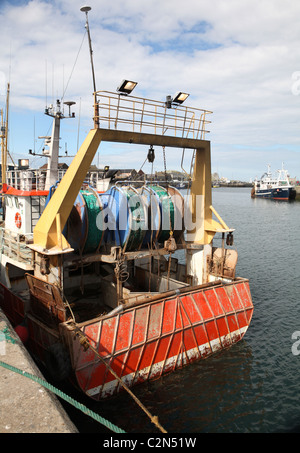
[254,387]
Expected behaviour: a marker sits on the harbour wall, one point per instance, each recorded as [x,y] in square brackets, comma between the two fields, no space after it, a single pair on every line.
[25,405]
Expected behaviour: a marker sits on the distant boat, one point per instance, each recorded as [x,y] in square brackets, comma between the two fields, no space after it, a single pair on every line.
[182,185]
[276,188]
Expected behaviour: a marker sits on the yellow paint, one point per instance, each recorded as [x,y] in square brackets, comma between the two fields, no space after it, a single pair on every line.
[201,187]
[47,232]
[59,234]
[219,218]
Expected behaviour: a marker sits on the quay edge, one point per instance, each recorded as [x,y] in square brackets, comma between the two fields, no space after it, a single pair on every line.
[26,406]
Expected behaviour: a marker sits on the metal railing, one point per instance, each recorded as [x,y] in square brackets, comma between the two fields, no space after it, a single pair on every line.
[119,112]
[34,180]
[15,246]
[31,179]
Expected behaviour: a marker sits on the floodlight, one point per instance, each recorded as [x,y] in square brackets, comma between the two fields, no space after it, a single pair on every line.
[126,87]
[180,97]
[176,100]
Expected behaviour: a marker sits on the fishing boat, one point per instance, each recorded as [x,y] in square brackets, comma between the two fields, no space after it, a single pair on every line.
[109,290]
[182,185]
[276,188]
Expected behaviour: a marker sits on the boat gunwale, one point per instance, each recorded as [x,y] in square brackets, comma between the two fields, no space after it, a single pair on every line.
[163,296]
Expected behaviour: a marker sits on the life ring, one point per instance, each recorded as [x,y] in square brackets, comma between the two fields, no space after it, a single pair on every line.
[18,220]
[57,362]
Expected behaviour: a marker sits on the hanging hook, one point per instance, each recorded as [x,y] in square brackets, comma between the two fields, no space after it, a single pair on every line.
[151,154]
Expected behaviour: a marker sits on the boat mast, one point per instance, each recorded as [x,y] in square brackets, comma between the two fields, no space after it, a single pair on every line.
[2,147]
[85,9]
[4,133]
[53,155]
[52,167]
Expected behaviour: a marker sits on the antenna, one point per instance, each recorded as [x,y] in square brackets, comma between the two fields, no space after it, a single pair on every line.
[86,9]
[46,81]
[69,104]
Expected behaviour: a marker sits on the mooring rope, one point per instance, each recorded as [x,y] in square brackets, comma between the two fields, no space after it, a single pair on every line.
[65,397]
[84,341]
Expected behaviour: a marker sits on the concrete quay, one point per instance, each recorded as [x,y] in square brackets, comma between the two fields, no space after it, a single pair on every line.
[26,406]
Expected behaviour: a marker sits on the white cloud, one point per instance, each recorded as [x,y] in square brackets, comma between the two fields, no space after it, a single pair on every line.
[236,58]
[2,83]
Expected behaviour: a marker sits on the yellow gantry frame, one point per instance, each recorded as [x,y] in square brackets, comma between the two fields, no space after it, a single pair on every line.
[48,231]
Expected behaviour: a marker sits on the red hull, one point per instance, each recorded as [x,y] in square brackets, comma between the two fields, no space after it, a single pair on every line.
[149,340]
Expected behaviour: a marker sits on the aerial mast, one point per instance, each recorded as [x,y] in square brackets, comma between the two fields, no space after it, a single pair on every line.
[2,136]
[86,9]
[4,139]
[53,141]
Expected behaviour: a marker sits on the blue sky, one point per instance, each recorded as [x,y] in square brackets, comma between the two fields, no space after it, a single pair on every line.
[239,58]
